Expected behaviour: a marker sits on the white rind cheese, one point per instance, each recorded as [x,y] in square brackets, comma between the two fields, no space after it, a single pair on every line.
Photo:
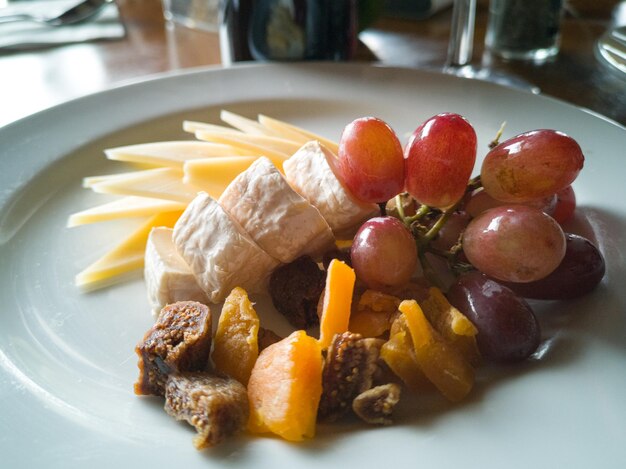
[310,173]
[279,220]
[218,250]
[168,277]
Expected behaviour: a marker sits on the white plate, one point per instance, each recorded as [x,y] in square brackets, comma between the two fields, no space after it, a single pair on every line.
[66,359]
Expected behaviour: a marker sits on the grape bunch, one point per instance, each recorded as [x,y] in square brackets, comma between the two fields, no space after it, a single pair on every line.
[500,233]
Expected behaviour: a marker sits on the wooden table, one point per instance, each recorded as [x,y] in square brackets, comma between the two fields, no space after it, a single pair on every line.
[34,80]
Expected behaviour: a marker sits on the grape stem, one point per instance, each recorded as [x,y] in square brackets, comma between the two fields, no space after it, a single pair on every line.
[423,210]
[494,143]
[383,208]
[423,240]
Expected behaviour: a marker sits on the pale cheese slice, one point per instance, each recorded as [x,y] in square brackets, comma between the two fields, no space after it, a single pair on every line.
[218,250]
[279,220]
[248,146]
[168,277]
[309,171]
[246,125]
[261,145]
[126,257]
[212,175]
[160,183]
[170,154]
[295,133]
[193,126]
[125,207]
[89,181]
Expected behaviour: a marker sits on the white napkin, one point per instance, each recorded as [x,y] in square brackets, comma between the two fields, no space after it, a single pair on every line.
[28,35]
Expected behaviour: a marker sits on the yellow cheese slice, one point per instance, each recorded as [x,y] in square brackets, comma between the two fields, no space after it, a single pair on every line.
[89,181]
[125,207]
[253,144]
[298,134]
[194,126]
[171,154]
[250,147]
[246,125]
[160,183]
[124,258]
[213,175]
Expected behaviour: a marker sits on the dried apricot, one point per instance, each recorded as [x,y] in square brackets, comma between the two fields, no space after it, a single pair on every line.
[236,345]
[373,314]
[399,356]
[285,387]
[442,364]
[335,318]
[453,325]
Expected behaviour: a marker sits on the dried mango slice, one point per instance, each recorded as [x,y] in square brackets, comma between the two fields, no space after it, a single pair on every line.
[399,356]
[285,388]
[236,346]
[442,364]
[453,325]
[335,318]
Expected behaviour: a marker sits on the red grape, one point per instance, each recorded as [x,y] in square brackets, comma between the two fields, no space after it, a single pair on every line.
[514,243]
[507,327]
[565,205]
[371,162]
[532,165]
[384,253]
[439,160]
[579,273]
[480,201]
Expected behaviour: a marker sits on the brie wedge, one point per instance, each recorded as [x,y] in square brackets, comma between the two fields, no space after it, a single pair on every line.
[168,277]
[310,172]
[279,220]
[218,250]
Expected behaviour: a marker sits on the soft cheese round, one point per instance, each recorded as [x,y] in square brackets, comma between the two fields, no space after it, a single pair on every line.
[218,250]
[280,220]
[168,277]
[310,173]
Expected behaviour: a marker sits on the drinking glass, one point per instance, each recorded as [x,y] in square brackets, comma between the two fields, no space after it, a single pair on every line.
[524,29]
[196,14]
[461,48]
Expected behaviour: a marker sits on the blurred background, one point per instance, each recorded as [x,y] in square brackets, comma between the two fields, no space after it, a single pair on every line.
[130,39]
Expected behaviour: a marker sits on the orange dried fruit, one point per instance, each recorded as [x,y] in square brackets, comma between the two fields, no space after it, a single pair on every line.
[369,323]
[373,314]
[285,387]
[236,345]
[453,325]
[335,317]
[442,364]
[400,357]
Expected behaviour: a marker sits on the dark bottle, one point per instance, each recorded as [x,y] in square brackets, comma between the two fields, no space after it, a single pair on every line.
[234,25]
[288,30]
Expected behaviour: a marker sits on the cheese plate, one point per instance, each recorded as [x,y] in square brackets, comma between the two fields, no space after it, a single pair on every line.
[67,363]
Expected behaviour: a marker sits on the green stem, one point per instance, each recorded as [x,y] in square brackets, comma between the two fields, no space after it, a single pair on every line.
[441,221]
[494,143]
[423,210]
[399,207]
